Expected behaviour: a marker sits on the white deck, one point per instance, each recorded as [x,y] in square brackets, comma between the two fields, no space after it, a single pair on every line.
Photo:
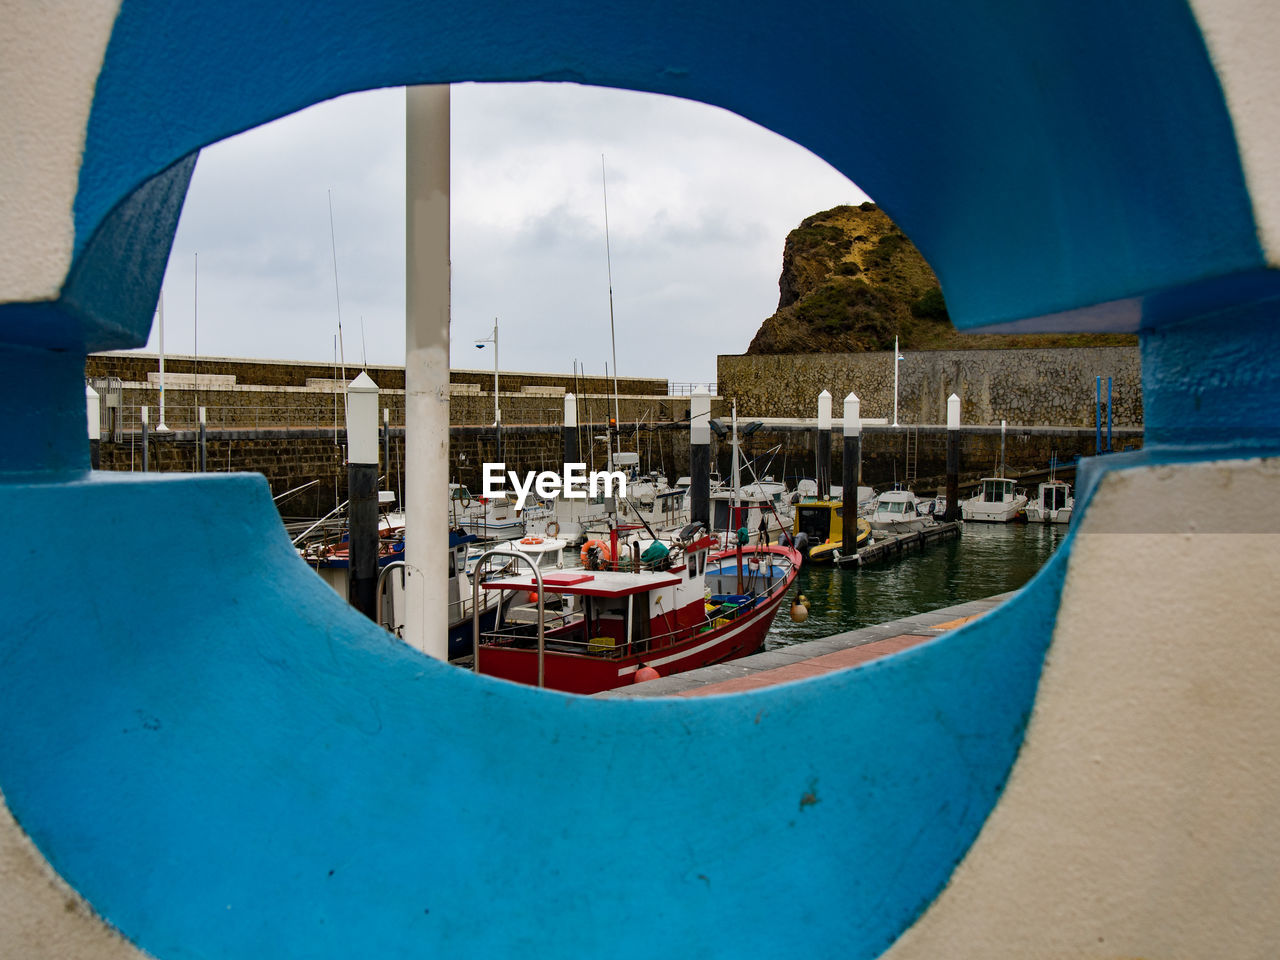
[603,583]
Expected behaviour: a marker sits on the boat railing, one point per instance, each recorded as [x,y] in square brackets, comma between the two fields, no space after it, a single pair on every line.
[378,596]
[475,608]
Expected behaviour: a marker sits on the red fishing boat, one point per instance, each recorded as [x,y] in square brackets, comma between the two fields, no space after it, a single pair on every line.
[673,608]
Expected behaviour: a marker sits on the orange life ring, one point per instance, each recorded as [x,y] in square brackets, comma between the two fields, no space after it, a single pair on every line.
[585,554]
[531,540]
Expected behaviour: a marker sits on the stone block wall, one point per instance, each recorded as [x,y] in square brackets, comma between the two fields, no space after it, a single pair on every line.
[277,396]
[132,366]
[1046,387]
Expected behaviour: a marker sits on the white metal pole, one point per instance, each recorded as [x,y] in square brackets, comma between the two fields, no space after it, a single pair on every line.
[736,475]
[162,427]
[497,412]
[427,368]
[896,358]
[195,330]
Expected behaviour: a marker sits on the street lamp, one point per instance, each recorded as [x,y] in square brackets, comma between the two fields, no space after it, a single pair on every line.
[897,358]
[497,414]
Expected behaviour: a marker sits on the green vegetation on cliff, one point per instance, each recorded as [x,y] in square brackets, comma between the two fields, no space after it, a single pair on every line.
[852,281]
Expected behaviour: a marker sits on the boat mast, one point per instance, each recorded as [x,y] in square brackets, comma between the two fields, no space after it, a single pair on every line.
[337,298]
[736,475]
[613,341]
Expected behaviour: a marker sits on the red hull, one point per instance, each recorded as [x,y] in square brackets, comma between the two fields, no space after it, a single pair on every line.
[578,673]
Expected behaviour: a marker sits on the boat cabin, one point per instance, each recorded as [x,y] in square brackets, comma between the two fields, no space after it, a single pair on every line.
[995,490]
[896,504]
[819,520]
[1054,494]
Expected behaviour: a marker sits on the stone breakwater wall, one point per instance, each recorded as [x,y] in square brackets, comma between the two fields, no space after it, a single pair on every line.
[294,432]
[254,407]
[1033,387]
[132,366]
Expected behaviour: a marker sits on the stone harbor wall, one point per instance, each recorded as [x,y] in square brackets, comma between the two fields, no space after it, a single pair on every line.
[130,365]
[290,458]
[291,427]
[1031,387]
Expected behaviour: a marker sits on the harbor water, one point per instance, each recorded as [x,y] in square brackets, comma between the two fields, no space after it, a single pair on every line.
[986,559]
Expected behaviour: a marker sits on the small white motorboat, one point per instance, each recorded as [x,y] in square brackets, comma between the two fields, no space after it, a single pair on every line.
[898,511]
[995,502]
[1053,503]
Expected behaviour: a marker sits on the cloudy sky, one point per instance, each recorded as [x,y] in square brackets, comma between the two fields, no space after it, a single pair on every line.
[699,202]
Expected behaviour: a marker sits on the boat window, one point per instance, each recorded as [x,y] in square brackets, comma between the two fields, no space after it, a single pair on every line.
[814,523]
[722,515]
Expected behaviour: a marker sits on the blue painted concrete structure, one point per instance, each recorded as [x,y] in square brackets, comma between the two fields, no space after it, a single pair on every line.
[240,766]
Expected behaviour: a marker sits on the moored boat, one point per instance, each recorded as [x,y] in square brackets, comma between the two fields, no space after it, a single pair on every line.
[1053,503]
[995,502]
[492,518]
[822,523]
[332,563]
[687,607]
[898,511]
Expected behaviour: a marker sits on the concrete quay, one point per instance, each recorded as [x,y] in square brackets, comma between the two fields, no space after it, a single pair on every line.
[802,660]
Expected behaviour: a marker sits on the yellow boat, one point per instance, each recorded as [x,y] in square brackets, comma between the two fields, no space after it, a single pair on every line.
[822,522]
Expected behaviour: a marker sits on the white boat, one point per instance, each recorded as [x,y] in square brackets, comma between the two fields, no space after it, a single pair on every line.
[492,518]
[1053,503]
[898,511]
[995,502]
[563,518]
[650,501]
[806,489]
[764,500]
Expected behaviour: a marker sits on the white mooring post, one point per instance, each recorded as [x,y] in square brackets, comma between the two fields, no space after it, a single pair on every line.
[823,446]
[700,456]
[93,408]
[426,374]
[569,432]
[851,472]
[953,458]
[204,444]
[386,445]
[146,453]
[362,493]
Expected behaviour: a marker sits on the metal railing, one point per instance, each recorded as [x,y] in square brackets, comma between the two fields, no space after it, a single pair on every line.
[381,603]
[475,609]
[682,388]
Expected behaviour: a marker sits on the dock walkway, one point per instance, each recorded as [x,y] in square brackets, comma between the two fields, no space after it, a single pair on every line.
[812,658]
[892,548]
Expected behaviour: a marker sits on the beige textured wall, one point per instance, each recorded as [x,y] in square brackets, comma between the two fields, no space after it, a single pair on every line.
[1142,818]
[50,55]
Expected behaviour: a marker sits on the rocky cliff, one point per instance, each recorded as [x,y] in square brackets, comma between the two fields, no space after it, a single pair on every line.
[852,281]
